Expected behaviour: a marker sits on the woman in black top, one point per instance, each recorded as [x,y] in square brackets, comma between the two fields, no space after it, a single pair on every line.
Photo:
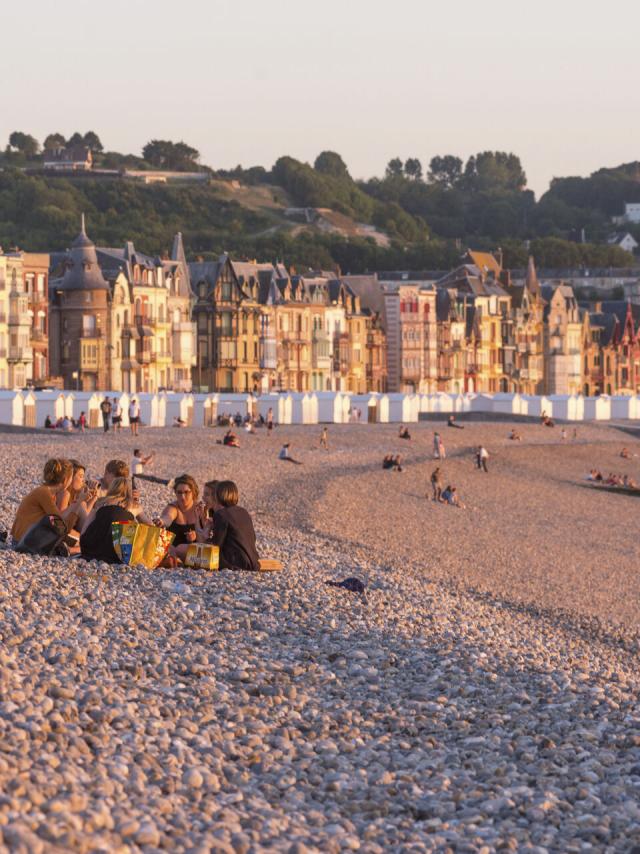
[96,541]
[183,515]
[233,530]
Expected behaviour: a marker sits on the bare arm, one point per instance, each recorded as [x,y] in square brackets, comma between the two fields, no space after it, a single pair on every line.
[168,515]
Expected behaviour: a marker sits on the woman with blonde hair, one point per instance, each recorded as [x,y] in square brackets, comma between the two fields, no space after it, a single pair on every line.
[40,502]
[96,540]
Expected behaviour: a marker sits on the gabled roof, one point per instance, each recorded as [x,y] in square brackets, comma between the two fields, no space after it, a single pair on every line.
[608,323]
[485,261]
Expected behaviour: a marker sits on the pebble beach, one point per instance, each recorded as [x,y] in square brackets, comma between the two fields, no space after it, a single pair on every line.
[481,697]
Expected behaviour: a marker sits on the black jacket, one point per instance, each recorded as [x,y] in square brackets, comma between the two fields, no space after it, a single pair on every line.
[233,532]
[96,543]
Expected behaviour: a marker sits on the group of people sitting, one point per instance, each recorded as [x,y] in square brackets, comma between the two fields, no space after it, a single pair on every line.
[392,462]
[67,424]
[612,479]
[546,421]
[89,507]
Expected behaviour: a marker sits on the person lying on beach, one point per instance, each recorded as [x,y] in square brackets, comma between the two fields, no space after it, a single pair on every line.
[624,453]
[391,462]
[179,422]
[548,422]
[594,475]
[57,475]
[96,540]
[451,422]
[450,496]
[403,433]
[138,462]
[233,530]
[515,436]
[286,456]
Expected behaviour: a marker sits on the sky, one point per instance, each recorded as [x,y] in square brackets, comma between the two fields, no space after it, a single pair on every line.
[247,81]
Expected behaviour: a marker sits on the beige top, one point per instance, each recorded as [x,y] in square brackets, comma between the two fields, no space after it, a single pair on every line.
[33,507]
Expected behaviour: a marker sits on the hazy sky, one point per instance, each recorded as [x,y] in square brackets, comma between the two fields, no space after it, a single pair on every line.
[245,81]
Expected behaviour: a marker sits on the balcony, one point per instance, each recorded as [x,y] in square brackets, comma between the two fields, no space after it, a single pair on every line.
[144,357]
[39,335]
[20,354]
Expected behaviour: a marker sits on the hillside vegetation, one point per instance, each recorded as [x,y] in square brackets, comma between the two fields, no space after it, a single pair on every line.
[417,221]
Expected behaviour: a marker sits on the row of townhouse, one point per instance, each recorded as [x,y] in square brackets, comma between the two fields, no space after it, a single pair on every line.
[261,328]
[476,330]
[122,320]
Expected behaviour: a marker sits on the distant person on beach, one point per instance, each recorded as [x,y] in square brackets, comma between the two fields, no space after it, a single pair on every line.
[67,426]
[624,453]
[437,445]
[403,432]
[324,439]
[450,496]
[105,409]
[286,456]
[139,461]
[48,423]
[82,422]
[134,416]
[179,422]
[451,422]
[392,462]
[436,484]
[482,455]
[563,435]
[515,436]
[116,416]
[233,530]
[230,439]
[270,419]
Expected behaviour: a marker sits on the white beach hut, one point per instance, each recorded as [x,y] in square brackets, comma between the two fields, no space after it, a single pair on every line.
[506,403]
[482,403]
[205,410]
[597,408]
[621,406]
[87,402]
[230,404]
[150,408]
[179,406]
[403,407]
[29,412]
[330,407]
[560,406]
[49,403]
[11,407]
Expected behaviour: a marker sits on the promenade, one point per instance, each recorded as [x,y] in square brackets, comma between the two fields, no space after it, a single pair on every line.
[482,698]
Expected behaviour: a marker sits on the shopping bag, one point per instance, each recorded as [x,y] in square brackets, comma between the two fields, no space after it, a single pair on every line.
[202,556]
[135,543]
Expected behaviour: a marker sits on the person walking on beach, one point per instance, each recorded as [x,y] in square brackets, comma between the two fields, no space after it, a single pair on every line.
[116,417]
[437,441]
[482,456]
[134,416]
[269,420]
[436,484]
[324,439]
[105,409]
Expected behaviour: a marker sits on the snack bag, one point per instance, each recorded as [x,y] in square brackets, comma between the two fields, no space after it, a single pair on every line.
[135,543]
[202,556]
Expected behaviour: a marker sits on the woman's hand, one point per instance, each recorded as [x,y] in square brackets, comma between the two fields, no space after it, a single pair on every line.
[191,536]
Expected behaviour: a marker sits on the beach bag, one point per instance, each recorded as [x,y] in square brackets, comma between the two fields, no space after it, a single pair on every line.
[45,537]
[202,556]
[136,544]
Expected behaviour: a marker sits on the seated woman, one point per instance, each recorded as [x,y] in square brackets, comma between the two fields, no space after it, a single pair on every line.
[78,491]
[230,439]
[403,433]
[183,516]
[515,436]
[40,501]
[96,541]
[450,496]
[233,530]
[388,462]
[624,453]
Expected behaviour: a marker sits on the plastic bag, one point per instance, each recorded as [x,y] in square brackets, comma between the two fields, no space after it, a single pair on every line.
[135,543]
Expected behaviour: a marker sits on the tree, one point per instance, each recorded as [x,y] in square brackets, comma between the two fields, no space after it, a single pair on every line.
[75,139]
[330,163]
[394,168]
[24,143]
[164,154]
[54,140]
[92,141]
[446,170]
[494,170]
[413,168]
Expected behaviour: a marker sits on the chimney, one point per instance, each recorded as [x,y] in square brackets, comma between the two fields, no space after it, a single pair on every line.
[499,256]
